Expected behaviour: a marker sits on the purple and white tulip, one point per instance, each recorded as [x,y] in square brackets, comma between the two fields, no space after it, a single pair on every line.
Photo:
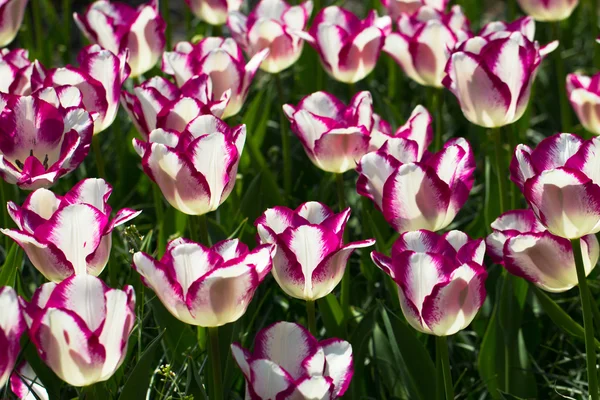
[273,25]
[99,77]
[11,18]
[415,189]
[289,363]
[561,182]
[222,60]
[25,384]
[195,168]
[43,136]
[440,279]
[120,28]
[310,256]
[18,75]
[526,249]
[548,10]
[491,74]
[12,326]
[158,103]
[584,95]
[213,12]
[398,7]
[205,286]
[67,235]
[80,327]
[348,47]
[424,41]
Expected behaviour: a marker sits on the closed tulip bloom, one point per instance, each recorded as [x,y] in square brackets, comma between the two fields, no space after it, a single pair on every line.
[560,181]
[348,47]
[12,326]
[526,249]
[25,384]
[398,7]
[19,75]
[310,257]
[119,28]
[222,60]
[157,103]
[205,286]
[43,136]
[424,41]
[11,17]
[440,279]
[415,189]
[80,327]
[67,235]
[584,94]
[213,12]
[289,363]
[273,25]
[197,167]
[548,10]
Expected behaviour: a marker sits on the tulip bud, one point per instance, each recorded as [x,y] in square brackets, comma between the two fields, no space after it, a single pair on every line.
[440,279]
[11,18]
[18,75]
[398,7]
[12,326]
[67,235]
[213,12]
[25,384]
[205,286]
[310,257]
[548,10]
[304,369]
[584,94]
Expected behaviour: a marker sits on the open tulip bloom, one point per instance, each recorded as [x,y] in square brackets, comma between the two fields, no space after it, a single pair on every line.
[19,75]
[348,47]
[398,7]
[195,168]
[213,12]
[11,18]
[548,10]
[440,279]
[222,60]
[584,95]
[12,326]
[25,384]
[204,286]
[289,363]
[80,327]
[120,28]
[273,25]
[310,256]
[67,235]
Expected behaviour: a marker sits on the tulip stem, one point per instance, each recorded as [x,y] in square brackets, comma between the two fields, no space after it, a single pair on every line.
[40,35]
[5,217]
[312,321]
[166,12]
[435,107]
[198,228]
[588,323]
[500,170]
[161,241]
[97,148]
[285,141]
[215,363]
[339,180]
[441,347]
[561,76]
[345,286]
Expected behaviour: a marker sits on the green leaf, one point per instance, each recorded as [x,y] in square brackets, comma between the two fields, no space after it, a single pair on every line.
[332,315]
[11,265]
[179,337]
[139,378]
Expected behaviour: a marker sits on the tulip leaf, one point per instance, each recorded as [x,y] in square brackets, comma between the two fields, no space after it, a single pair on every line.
[13,261]
[360,339]
[332,315]
[140,376]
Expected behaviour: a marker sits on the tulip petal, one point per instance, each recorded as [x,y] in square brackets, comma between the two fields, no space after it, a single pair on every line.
[269,379]
[375,169]
[338,354]
[555,151]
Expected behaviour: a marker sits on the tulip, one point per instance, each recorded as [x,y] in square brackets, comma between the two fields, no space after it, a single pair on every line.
[525,25]
[584,94]
[440,279]
[222,60]
[80,327]
[310,256]
[214,12]
[11,17]
[204,286]
[548,10]
[157,103]
[348,47]
[560,182]
[272,25]
[424,41]
[11,328]
[120,28]
[491,76]
[25,384]
[526,249]
[413,188]
[398,7]
[196,168]
[67,235]
[18,75]
[289,363]
[43,136]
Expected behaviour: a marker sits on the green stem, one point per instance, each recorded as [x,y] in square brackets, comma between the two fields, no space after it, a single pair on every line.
[167,17]
[5,216]
[345,285]
[215,363]
[392,68]
[66,23]
[161,241]
[40,35]
[198,229]
[561,76]
[592,9]
[441,347]
[312,321]
[285,140]
[435,107]
[97,148]
[339,180]
[500,168]
[588,323]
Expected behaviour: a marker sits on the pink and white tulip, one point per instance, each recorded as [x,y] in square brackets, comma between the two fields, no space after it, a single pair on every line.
[195,168]
[424,41]
[348,47]
[25,384]
[99,77]
[67,235]
[398,7]
[526,249]
[561,182]
[289,363]
[12,326]
[11,18]
[222,60]
[120,28]
[548,10]
[205,286]
[18,75]
[213,12]
[158,103]
[440,279]
[310,256]
[415,189]
[584,94]
[273,25]
[43,136]
[80,327]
